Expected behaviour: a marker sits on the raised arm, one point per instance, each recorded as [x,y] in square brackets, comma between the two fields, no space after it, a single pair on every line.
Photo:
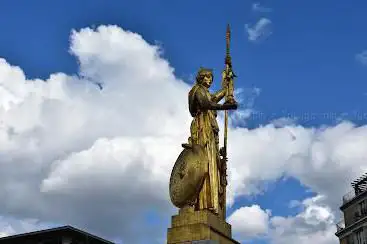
[206,103]
[219,95]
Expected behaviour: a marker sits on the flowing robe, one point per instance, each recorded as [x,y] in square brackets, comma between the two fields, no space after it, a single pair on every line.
[204,131]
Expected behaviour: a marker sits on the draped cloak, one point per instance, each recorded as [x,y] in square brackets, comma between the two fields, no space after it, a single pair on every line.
[204,131]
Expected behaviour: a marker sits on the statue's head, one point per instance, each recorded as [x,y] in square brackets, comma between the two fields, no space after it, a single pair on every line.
[204,77]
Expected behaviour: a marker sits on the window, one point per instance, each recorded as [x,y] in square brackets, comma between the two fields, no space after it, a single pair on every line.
[350,239]
[363,208]
[66,240]
[360,236]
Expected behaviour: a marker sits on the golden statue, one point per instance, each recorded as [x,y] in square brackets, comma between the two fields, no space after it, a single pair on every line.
[198,179]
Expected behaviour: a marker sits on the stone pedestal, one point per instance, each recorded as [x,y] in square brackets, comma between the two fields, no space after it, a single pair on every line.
[199,227]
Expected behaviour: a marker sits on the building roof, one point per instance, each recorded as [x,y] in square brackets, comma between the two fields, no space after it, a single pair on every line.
[359,191]
[55,231]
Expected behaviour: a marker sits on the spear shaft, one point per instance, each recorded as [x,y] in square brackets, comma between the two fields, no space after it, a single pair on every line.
[228,63]
[228,67]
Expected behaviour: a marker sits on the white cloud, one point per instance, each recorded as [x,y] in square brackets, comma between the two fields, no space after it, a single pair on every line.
[256,7]
[103,157]
[249,222]
[246,100]
[283,121]
[6,230]
[362,57]
[325,160]
[99,156]
[11,226]
[314,224]
[259,31]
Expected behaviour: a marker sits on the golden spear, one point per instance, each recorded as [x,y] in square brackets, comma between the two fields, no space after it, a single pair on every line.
[228,77]
[227,62]
[228,82]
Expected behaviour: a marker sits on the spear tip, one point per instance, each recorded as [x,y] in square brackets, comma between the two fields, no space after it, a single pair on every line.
[228,32]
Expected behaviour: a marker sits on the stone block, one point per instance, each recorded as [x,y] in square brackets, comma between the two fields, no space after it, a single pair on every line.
[199,227]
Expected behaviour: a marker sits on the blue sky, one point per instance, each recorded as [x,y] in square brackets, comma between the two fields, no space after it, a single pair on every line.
[307,65]
[304,64]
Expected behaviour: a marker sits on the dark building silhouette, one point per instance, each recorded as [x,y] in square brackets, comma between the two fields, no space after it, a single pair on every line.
[59,235]
[353,228]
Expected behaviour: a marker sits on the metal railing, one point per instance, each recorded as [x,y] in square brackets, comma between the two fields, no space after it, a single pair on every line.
[340,225]
[349,196]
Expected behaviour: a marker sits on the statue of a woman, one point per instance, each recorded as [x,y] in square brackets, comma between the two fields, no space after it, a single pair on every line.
[204,131]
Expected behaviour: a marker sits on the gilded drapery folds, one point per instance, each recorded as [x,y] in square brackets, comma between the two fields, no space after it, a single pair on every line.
[198,179]
[205,132]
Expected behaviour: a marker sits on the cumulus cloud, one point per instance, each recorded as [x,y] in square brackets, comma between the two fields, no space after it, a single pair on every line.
[103,157]
[100,157]
[11,226]
[249,222]
[259,31]
[323,159]
[314,224]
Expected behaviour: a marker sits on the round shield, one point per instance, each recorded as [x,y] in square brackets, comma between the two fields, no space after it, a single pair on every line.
[187,175]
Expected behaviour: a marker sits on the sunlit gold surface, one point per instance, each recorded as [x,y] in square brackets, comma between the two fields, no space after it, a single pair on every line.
[198,180]
[190,225]
[188,175]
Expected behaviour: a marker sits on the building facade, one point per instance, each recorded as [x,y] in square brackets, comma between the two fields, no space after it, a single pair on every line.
[352,229]
[59,235]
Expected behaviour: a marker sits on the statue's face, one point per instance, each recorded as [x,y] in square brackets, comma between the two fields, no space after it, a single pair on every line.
[207,80]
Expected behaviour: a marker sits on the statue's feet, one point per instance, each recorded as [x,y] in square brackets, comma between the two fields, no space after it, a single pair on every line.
[186,209]
[213,211]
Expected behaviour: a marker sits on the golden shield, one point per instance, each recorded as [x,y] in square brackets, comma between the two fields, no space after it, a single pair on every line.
[188,175]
